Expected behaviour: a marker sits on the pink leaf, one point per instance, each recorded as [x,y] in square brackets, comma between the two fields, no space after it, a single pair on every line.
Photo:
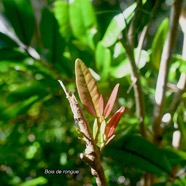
[101,105]
[113,122]
[111,101]
[109,139]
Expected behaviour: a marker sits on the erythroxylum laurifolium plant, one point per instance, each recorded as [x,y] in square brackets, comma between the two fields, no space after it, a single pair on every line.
[93,102]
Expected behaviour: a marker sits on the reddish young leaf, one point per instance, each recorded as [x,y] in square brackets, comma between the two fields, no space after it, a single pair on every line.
[101,105]
[87,88]
[113,122]
[109,139]
[111,101]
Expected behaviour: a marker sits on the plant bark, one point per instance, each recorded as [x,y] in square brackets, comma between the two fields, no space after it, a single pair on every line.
[181,85]
[91,155]
[164,70]
[139,97]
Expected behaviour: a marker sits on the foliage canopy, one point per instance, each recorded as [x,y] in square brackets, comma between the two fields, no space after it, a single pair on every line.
[39,43]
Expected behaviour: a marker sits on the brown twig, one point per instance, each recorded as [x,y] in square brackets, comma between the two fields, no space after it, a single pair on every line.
[181,85]
[180,88]
[135,77]
[164,70]
[91,155]
[131,31]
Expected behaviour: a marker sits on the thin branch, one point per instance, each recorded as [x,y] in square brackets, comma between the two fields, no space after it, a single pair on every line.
[178,95]
[135,77]
[164,70]
[181,85]
[132,27]
[141,41]
[91,155]
[180,88]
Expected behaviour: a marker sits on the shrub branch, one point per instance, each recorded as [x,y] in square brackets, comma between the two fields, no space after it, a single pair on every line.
[91,155]
[164,70]
[135,77]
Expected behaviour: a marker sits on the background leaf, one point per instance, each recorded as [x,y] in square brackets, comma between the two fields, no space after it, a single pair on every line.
[121,65]
[117,25]
[83,21]
[26,90]
[135,151]
[20,13]
[158,43]
[34,110]
[18,108]
[103,60]
[6,41]
[13,54]
[52,40]
[34,182]
[61,12]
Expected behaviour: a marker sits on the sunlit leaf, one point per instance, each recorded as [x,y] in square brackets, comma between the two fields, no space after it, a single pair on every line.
[124,68]
[111,101]
[83,21]
[179,182]
[183,68]
[113,122]
[87,88]
[19,108]
[181,63]
[121,70]
[178,64]
[35,181]
[103,60]
[98,132]
[25,91]
[61,12]
[116,26]
[101,138]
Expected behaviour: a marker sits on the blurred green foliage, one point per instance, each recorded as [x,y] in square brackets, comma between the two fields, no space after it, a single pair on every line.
[39,42]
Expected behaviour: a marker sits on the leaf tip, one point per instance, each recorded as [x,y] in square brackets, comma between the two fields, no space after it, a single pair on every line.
[111,101]
[113,122]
